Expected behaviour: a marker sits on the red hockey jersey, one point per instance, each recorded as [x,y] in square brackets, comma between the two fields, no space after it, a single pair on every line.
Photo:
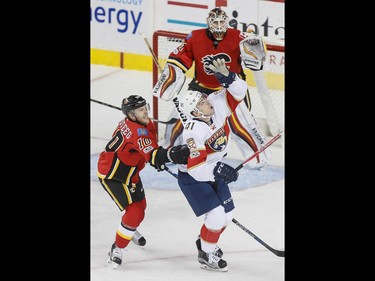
[199,48]
[131,144]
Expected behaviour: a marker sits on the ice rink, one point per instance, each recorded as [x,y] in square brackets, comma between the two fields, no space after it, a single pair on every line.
[170,225]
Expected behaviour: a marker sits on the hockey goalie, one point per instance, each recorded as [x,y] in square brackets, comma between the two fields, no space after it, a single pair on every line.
[201,47]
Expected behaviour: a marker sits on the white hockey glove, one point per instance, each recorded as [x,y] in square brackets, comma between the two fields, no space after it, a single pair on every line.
[170,82]
[253,52]
[222,73]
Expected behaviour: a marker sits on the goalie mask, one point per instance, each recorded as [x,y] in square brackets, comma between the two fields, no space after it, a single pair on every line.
[132,102]
[217,22]
[188,103]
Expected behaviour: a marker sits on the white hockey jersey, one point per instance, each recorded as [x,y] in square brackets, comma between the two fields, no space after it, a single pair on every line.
[209,142]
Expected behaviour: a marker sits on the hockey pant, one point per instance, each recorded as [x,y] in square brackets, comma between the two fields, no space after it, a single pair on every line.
[246,134]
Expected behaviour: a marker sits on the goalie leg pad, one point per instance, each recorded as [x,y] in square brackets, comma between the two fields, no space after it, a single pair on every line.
[248,134]
[170,82]
[173,132]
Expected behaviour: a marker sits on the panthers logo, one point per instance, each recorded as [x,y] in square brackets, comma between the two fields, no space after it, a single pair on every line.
[207,60]
[218,141]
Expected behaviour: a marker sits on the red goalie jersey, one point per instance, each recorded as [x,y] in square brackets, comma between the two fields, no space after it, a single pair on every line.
[200,48]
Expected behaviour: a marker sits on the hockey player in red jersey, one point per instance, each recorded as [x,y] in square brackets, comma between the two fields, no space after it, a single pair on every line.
[201,47]
[204,180]
[132,145]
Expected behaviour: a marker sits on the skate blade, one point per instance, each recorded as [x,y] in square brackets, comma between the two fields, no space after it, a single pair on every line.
[112,264]
[206,267]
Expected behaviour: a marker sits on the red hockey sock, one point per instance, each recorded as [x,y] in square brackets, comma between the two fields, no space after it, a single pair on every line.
[121,242]
[210,236]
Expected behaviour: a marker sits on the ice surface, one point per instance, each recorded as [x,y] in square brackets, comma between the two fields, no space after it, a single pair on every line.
[170,226]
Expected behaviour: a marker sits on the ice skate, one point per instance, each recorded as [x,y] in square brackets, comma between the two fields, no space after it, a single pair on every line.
[138,239]
[209,261]
[217,252]
[115,256]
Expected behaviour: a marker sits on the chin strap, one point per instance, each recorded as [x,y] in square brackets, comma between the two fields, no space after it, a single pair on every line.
[202,116]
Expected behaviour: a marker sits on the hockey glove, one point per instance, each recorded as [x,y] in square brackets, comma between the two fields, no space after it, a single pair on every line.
[222,73]
[178,154]
[158,158]
[226,172]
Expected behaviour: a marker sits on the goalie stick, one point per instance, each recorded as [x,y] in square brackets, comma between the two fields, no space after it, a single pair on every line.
[151,51]
[170,121]
[236,222]
[264,147]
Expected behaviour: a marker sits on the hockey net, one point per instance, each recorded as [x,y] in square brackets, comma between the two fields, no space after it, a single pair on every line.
[266,87]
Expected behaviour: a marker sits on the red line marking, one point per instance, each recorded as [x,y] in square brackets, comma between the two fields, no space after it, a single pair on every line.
[221,3]
[187,4]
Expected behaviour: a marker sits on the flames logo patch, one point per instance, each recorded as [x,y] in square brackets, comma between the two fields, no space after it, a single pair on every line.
[207,60]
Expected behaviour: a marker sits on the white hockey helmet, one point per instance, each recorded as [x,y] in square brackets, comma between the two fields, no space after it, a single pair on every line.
[217,23]
[188,103]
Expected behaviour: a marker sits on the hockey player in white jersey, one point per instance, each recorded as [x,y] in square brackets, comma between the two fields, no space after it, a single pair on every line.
[204,179]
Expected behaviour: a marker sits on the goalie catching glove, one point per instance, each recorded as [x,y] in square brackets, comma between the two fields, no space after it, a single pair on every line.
[226,172]
[177,154]
[253,52]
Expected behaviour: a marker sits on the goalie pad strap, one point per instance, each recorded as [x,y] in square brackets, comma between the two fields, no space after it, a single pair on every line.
[170,82]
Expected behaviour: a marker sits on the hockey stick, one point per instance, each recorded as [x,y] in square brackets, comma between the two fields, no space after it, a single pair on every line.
[152,52]
[276,252]
[236,222]
[106,104]
[264,147]
[171,121]
[169,171]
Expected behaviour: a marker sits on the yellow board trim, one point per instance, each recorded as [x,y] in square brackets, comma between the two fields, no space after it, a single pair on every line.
[137,62]
[144,63]
[109,58]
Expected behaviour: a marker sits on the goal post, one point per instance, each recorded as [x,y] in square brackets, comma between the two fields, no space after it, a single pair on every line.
[266,87]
